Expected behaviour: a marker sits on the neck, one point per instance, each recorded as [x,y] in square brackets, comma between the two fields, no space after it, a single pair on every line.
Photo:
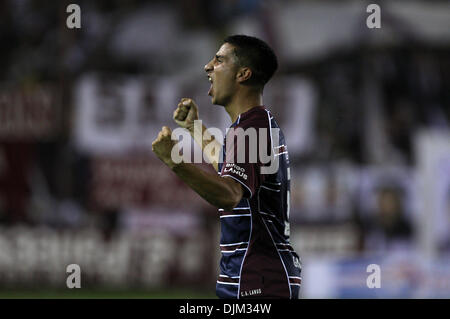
[242,102]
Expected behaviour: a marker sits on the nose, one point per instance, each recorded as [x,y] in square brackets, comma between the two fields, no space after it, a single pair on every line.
[208,67]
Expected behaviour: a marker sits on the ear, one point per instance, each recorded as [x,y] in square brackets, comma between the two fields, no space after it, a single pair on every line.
[243,74]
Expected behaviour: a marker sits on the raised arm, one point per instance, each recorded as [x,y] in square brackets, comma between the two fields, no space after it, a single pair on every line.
[185,116]
[222,192]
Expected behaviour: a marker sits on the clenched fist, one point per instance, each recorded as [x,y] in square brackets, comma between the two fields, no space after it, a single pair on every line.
[186,113]
[162,146]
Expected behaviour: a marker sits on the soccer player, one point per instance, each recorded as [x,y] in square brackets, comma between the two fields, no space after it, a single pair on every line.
[257,258]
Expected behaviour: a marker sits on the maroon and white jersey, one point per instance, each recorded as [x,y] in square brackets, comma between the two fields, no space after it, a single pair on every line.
[257,258]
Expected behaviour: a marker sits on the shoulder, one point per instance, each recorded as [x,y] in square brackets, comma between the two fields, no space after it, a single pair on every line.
[256,117]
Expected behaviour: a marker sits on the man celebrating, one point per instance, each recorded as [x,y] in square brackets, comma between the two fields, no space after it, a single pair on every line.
[257,258]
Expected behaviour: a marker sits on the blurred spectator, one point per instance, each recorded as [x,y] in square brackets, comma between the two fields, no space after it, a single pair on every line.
[388,228]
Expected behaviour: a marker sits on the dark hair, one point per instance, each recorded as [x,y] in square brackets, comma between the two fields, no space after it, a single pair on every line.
[255,54]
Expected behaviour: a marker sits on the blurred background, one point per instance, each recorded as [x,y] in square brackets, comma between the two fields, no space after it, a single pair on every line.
[366,115]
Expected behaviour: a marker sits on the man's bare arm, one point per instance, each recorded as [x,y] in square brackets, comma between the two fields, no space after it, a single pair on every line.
[185,116]
[221,192]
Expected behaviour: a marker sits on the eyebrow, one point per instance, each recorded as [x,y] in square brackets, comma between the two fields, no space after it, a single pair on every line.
[219,56]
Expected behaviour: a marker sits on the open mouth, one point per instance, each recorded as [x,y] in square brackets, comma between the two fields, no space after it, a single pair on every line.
[210,91]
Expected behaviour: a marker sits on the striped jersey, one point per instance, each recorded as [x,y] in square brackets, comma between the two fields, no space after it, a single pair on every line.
[257,259]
